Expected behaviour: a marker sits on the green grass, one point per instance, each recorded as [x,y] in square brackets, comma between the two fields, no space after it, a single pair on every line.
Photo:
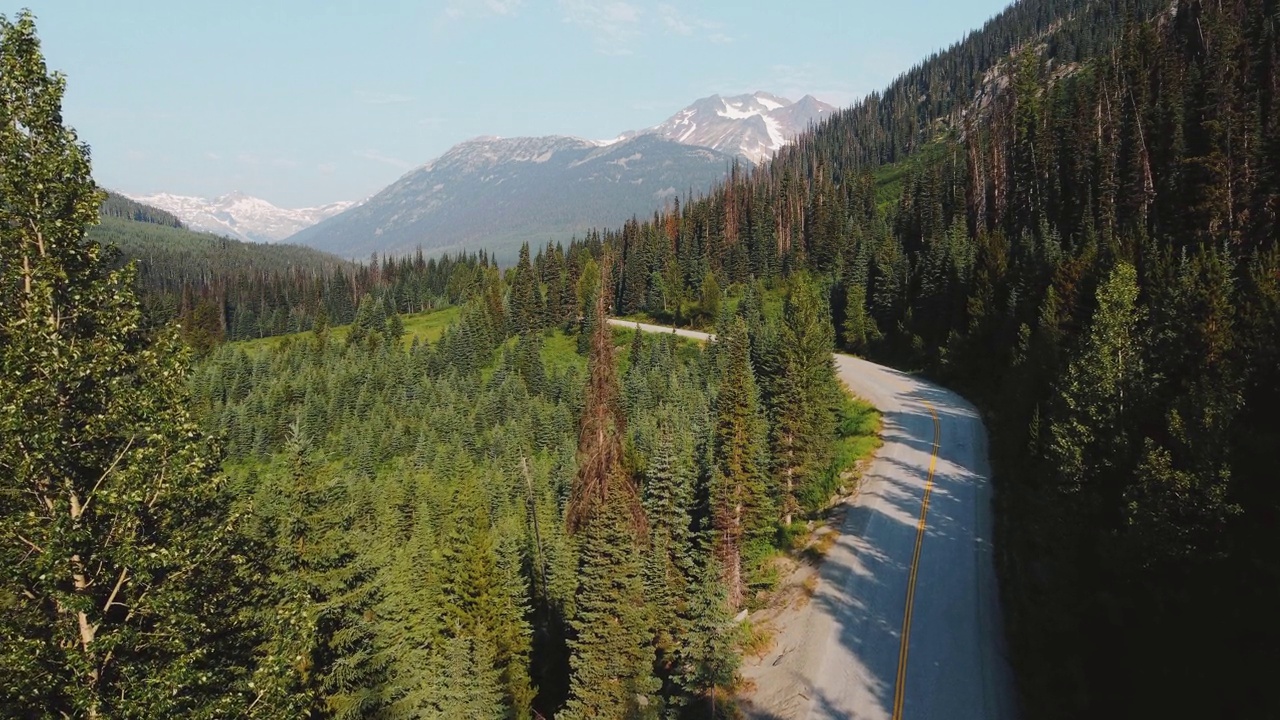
[425,326]
[857,436]
[774,297]
[858,431]
[428,326]
[560,351]
[889,179]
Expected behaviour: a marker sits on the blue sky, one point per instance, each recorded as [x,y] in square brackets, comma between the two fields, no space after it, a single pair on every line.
[303,102]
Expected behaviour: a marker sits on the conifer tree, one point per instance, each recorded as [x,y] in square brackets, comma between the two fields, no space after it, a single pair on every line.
[1091,437]
[708,659]
[740,512]
[804,395]
[612,654]
[526,310]
[709,297]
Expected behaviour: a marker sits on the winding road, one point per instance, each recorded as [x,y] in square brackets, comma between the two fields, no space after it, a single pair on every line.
[905,622]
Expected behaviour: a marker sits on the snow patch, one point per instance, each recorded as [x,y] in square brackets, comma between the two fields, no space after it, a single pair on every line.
[734,112]
[768,103]
[776,137]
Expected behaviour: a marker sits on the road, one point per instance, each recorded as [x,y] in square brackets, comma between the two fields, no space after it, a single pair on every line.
[905,622]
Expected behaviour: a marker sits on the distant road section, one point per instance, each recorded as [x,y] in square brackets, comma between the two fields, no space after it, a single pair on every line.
[906,620]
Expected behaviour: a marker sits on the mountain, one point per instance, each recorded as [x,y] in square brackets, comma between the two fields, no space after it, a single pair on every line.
[751,126]
[498,193]
[241,216]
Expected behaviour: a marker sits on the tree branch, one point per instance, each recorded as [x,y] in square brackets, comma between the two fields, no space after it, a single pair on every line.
[30,544]
[88,499]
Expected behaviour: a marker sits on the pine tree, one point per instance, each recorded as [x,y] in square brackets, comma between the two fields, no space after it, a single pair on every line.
[804,395]
[1090,439]
[612,654]
[708,659]
[526,309]
[739,501]
[613,657]
[709,297]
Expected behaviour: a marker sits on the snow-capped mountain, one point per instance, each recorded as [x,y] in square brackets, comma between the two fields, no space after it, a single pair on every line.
[497,193]
[500,192]
[751,126]
[241,216]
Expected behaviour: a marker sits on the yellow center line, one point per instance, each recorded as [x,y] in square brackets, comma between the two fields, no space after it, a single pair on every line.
[900,689]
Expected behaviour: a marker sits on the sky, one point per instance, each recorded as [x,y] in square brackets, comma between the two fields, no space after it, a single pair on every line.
[305,102]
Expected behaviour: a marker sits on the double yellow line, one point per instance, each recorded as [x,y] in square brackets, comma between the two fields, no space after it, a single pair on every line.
[900,689]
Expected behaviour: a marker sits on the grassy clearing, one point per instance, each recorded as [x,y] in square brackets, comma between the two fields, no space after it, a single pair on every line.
[428,326]
[425,326]
[889,179]
[857,436]
[756,640]
[560,351]
[858,430]
[691,317]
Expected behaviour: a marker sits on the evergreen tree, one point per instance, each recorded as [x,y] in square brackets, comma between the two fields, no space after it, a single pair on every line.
[709,297]
[740,512]
[525,302]
[1090,440]
[612,656]
[804,394]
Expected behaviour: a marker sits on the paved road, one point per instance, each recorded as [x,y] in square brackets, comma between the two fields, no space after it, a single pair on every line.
[914,558]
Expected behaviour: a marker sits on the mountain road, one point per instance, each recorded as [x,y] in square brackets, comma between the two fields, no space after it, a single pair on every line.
[905,621]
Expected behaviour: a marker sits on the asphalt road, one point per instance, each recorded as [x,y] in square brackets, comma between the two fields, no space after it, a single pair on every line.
[913,559]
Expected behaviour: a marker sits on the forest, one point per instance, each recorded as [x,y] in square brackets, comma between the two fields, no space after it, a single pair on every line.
[1069,216]
[529,515]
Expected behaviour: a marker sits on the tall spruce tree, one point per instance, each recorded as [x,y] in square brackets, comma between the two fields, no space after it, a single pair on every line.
[804,395]
[612,657]
[740,508]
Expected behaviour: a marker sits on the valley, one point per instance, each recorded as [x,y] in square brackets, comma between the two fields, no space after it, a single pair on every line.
[951,402]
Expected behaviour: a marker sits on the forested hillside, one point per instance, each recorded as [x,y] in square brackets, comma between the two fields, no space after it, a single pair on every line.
[218,289]
[1071,215]
[118,206]
[487,526]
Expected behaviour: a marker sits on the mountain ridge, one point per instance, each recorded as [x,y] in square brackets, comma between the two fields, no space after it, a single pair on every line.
[241,216]
[753,126]
[504,192]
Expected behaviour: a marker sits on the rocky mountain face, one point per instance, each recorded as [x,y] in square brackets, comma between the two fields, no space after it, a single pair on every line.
[241,216]
[498,193]
[750,126]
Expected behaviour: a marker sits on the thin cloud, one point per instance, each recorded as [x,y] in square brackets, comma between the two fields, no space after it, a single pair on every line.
[612,24]
[245,158]
[460,9]
[211,155]
[372,97]
[681,23]
[326,168]
[671,19]
[796,81]
[376,156]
